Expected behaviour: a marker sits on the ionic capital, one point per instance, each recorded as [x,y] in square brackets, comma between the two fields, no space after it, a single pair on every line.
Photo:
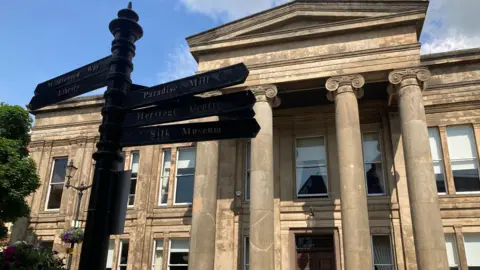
[266,93]
[342,84]
[422,74]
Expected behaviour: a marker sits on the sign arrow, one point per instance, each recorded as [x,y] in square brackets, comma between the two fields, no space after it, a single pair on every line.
[191,108]
[194,132]
[197,84]
[97,68]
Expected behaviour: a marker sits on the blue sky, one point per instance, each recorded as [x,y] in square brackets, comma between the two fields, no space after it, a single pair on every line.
[43,39]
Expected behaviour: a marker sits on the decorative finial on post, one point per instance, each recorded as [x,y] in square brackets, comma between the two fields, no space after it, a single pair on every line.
[130,5]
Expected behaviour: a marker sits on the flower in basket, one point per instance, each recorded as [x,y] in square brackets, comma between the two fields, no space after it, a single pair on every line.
[22,255]
[72,236]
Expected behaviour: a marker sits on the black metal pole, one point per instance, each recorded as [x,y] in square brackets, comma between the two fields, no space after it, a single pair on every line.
[126,31]
[77,213]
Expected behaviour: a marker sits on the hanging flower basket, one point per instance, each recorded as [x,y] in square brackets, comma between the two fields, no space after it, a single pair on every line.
[22,255]
[72,236]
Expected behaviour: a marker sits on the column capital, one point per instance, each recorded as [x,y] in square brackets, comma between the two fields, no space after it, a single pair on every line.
[422,74]
[266,93]
[354,83]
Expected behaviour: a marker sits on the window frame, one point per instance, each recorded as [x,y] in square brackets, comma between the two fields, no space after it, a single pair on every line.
[316,195]
[113,254]
[441,161]
[132,153]
[49,188]
[390,248]
[382,162]
[170,251]
[247,171]
[155,249]
[176,174]
[162,177]
[476,159]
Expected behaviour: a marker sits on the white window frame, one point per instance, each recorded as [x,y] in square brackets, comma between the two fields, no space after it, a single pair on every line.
[133,178]
[113,253]
[50,185]
[321,195]
[162,177]
[155,249]
[248,169]
[176,174]
[442,165]
[170,252]
[391,250]
[119,258]
[245,249]
[381,162]
[465,159]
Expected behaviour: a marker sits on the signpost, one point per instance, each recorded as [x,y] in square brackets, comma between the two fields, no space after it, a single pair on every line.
[134,115]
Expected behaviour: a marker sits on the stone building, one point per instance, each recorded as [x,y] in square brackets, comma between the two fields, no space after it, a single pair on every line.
[367,156]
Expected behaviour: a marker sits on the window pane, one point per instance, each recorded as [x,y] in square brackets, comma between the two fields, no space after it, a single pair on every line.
[382,253]
[180,244]
[178,267]
[59,170]
[435,147]
[184,192]
[124,253]
[311,151]
[247,186]
[186,158]
[439,176]
[248,155]
[375,183]
[111,248]
[246,257]
[461,142]
[312,180]
[55,196]
[472,248]
[165,175]
[465,175]
[179,257]
[371,148]
[135,159]
[158,255]
[451,245]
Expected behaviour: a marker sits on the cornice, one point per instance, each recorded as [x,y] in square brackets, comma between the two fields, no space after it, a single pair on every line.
[317,30]
[450,107]
[451,85]
[66,125]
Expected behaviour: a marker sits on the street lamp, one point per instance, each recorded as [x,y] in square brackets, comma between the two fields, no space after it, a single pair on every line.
[70,173]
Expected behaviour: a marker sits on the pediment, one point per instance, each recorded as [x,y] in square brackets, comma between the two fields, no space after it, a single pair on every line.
[305,14]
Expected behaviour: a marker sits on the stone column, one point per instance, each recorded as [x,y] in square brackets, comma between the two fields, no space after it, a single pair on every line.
[261,236]
[426,220]
[204,212]
[344,91]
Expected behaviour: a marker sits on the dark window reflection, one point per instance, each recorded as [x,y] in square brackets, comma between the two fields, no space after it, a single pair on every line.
[466,180]
[375,182]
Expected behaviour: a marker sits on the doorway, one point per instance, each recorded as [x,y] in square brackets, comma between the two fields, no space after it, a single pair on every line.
[315,252]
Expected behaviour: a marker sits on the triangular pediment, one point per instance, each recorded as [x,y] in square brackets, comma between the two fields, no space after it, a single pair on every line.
[305,14]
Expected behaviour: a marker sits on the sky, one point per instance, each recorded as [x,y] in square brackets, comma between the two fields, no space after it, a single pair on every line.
[43,39]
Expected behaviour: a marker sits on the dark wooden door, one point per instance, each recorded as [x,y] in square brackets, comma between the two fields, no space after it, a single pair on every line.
[315,260]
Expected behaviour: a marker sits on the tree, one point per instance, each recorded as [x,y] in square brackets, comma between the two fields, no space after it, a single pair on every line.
[18,176]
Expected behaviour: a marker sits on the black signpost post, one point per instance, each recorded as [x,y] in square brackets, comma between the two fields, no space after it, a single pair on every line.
[135,115]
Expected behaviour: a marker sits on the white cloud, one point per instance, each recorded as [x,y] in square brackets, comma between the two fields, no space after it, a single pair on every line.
[451,25]
[228,10]
[180,64]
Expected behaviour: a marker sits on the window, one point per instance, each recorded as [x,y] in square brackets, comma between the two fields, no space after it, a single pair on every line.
[372,158]
[246,254]
[111,250]
[436,150]
[178,254]
[452,254]
[382,252]
[165,176]
[133,184]
[157,262]
[185,176]
[472,249]
[47,244]
[248,153]
[311,167]
[463,158]
[57,180]
[123,258]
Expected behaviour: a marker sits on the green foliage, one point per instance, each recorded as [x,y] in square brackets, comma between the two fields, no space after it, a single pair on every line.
[18,177]
[23,256]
